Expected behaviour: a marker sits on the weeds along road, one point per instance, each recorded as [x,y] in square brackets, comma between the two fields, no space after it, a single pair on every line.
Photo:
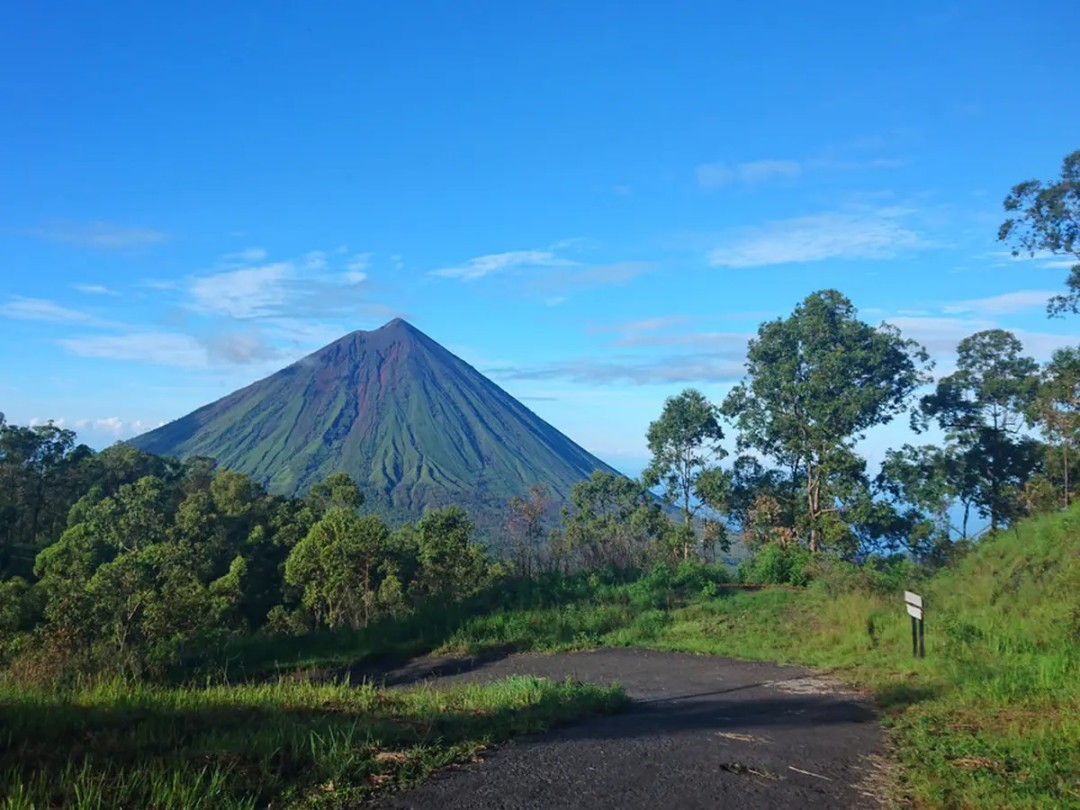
[702,732]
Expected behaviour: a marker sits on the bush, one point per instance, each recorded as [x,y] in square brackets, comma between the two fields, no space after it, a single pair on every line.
[775,564]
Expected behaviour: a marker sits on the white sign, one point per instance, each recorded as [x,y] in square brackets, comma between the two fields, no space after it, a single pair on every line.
[914,604]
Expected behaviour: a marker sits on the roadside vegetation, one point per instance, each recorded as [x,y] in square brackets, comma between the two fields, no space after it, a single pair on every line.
[286,743]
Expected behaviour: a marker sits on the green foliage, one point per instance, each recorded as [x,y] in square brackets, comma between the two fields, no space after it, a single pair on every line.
[1045,217]
[286,743]
[341,565]
[776,564]
[451,564]
[683,442]
[816,382]
[611,521]
[982,407]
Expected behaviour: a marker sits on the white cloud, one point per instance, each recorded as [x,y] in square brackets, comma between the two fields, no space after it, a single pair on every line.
[481,266]
[314,260]
[111,425]
[40,309]
[715,175]
[555,300]
[356,268]
[873,234]
[248,293]
[1002,304]
[941,336]
[98,234]
[642,325]
[160,348]
[560,280]
[246,256]
[94,289]
[708,367]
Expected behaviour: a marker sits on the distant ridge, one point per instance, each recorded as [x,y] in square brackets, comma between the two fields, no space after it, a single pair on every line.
[414,424]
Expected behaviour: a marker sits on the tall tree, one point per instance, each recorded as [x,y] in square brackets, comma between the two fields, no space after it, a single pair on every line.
[1056,409]
[982,407]
[1045,217]
[684,442]
[816,381]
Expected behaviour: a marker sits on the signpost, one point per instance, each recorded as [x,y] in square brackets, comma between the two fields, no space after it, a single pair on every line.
[914,604]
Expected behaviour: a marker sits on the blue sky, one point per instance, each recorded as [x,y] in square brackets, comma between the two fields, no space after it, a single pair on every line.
[593,203]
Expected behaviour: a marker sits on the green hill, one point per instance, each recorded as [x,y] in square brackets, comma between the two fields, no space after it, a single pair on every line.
[414,424]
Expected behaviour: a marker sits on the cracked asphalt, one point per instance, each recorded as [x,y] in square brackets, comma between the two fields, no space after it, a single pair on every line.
[702,732]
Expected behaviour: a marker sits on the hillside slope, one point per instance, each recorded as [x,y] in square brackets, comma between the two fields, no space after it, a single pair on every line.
[414,424]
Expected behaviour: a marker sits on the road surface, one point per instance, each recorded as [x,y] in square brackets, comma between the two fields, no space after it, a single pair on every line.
[703,732]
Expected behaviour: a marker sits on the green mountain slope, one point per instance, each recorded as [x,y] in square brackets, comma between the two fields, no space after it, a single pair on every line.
[415,425]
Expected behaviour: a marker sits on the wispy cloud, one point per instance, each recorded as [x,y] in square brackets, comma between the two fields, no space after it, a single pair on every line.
[99,234]
[881,233]
[715,175]
[314,260]
[159,348]
[247,256]
[563,280]
[94,289]
[654,324]
[248,293]
[111,425]
[941,336]
[1003,304]
[481,266]
[40,309]
[704,367]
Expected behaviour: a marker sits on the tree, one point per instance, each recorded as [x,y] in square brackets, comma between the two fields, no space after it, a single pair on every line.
[929,480]
[982,408]
[611,520]
[683,442]
[340,566]
[451,564]
[336,490]
[525,524]
[1045,217]
[1056,409]
[816,382]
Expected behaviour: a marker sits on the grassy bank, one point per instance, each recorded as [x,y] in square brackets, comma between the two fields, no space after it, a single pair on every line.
[282,744]
[991,717]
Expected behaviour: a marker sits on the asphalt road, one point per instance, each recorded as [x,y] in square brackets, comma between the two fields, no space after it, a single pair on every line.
[703,732]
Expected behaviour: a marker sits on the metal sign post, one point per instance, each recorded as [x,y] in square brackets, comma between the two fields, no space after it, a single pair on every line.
[914,604]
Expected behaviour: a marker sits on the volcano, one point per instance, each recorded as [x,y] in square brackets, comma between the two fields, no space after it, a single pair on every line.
[413,424]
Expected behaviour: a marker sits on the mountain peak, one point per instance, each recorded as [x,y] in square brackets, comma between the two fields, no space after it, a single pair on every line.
[415,425]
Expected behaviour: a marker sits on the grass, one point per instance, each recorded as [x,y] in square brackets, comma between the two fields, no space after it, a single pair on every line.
[281,744]
[990,718]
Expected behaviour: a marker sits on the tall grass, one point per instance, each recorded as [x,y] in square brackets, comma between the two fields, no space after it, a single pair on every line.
[287,743]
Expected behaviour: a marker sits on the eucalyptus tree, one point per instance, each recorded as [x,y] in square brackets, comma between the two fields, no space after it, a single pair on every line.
[816,382]
[1045,218]
[983,408]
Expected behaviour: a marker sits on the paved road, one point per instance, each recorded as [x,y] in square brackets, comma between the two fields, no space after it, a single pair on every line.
[703,732]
